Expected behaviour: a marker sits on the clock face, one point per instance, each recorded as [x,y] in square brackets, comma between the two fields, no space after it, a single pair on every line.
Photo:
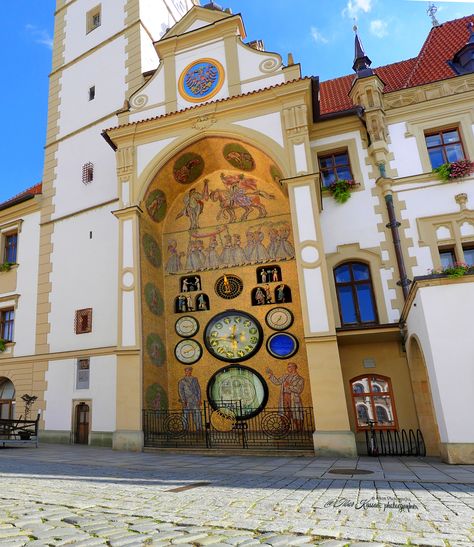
[186,326]
[279,318]
[282,345]
[188,351]
[233,336]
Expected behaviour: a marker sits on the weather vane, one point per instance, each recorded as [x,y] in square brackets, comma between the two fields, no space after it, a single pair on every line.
[431,11]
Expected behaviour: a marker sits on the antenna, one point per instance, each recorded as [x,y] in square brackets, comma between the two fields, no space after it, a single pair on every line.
[431,11]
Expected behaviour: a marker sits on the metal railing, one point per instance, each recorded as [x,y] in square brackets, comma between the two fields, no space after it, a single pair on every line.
[230,426]
[19,431]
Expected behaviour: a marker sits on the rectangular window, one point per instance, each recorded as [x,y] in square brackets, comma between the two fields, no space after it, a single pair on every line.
[444,147]
[334,167]
[93,19]
[83,321]
[83,374]
[87,173]
[468,254]
[9,254]
[447,257]
[92,93]
[6,324]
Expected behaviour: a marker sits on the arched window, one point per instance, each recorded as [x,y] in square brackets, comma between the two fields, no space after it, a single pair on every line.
[355,294]
[372,399]
[7,399]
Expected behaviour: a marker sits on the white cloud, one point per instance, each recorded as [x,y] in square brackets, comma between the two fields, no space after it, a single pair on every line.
[354,7]
[40,36]
[317,36]
[379,28]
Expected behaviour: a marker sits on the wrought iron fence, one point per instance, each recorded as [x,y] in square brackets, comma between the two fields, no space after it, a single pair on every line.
[230,426]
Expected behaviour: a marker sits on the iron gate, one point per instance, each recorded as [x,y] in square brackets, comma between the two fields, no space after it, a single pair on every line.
[229,426]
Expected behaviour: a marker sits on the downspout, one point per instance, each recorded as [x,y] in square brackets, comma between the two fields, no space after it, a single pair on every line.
[394,226]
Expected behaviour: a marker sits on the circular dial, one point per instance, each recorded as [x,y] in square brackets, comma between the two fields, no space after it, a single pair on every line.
[279,318]
[188,351]
[186,326]
[282,345]
[233,336]
[228,286]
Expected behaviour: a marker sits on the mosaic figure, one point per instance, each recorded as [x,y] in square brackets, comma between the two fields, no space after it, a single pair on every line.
[202,302]
[226,258]
[239,157]
[156,205]
[292,386]
[238,255]
[259,296]
[268,294]
[194,205]
[152,250]
[188,168]
[155,349]
[156,397]
[189,303]
[181,305]
[190,396]
[212,259]
[153,299]
[286,248]
[282,294]
[173,265]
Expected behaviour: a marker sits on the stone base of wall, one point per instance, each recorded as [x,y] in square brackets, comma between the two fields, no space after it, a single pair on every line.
[335,443]
[457,453]
[131,441]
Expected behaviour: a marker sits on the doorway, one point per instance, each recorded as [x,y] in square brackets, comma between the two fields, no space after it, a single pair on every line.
[82,424]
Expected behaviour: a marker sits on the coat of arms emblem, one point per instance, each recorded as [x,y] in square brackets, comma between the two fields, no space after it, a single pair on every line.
[201,80]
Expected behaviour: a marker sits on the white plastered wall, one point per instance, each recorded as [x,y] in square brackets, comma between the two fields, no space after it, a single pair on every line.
[213,50]
[441,318]
[78,39]
[27,284]
[355,221]
[426,202]
[61,392]
[407,159]
[76,111]
[84,276]
[71,194]
[268,124]
[251,65]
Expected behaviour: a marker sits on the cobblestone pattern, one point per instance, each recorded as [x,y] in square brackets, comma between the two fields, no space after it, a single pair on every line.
[50,503]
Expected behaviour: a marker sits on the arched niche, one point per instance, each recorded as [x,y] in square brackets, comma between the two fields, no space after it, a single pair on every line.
[7,399]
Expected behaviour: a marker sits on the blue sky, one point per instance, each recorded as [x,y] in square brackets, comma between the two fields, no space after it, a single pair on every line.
[317,32]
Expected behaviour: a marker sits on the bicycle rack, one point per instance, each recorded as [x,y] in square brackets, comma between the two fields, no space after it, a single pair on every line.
[395,443]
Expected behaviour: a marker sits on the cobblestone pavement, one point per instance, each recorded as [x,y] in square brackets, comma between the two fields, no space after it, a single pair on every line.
[74,495]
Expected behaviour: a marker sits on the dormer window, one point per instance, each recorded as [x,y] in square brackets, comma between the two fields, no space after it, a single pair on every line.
[463,61]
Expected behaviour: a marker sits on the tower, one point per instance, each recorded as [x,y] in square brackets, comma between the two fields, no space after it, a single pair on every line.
[101,54]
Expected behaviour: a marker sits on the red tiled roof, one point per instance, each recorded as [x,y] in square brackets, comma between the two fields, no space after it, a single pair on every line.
[29,192]
[430,65]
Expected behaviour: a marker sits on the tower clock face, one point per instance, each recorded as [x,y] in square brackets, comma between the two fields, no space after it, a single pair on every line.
[233,336]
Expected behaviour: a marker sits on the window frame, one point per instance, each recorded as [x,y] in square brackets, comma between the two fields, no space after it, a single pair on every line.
[6,236]
[79,314]
[445,249]
[371,394]
[332,154]
[90,18]
[80,384]
[11,324]
[353,283]
[440,132]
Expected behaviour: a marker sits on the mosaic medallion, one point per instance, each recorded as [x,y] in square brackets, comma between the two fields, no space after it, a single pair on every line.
[155,349]
[153,299]
[239,157]
[156,398]
[188,168]
[152,250]
[156,205]
[229,286]
[201,80]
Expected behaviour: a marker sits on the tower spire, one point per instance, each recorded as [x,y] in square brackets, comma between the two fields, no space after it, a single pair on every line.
[362,63]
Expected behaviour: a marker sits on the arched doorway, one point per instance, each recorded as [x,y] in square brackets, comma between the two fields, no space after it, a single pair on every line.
[82,424]
[423,398]
[7,399]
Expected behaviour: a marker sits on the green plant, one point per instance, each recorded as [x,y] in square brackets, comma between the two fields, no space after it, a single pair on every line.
[341,189]
[458,269]
[6,266]
[3,345]
[454,170]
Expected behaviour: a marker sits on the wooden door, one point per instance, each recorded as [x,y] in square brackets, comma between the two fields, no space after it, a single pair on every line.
[82,424]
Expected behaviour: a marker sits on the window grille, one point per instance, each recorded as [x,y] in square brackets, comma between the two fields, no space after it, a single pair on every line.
[87,173]
[83,321]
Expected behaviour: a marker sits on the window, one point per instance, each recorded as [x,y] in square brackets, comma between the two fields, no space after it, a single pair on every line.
[83,371]
[444,147]
[83,321]
[335,166]
[92,93]
[9,254]
[447,257]
[355,294]
[6,324]
[468,254]
[93,19]
[87,173]
[372,399]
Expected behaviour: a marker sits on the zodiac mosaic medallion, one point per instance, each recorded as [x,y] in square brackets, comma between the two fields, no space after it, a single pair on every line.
[201,80]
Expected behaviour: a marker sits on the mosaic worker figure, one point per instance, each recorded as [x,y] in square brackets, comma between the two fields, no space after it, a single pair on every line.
[190,396]
[292,385]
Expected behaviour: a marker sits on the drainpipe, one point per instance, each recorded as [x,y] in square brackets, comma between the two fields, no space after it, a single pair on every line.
[394,225]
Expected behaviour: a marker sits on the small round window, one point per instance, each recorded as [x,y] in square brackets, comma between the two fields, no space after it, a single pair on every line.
[239,388]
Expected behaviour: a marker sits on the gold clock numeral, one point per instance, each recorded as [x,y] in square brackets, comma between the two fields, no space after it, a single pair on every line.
[214,334]
[220,350]
[253,330]
[238,319]
[230,354]
[247,323]
[240,353]
[214,343]
[253,339]
[219,326]
[227,320]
